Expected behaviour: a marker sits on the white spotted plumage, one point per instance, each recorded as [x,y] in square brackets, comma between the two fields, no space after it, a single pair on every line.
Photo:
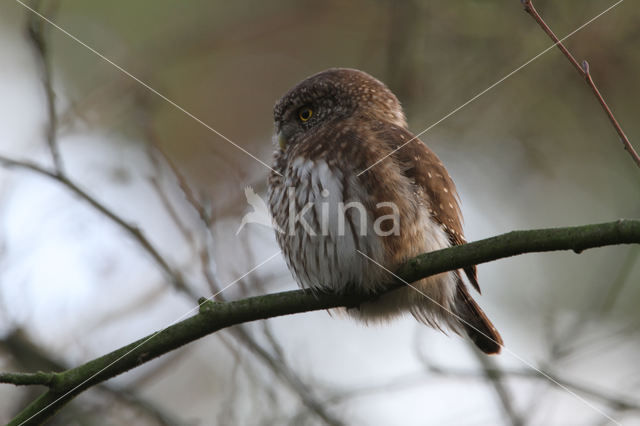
[326,258]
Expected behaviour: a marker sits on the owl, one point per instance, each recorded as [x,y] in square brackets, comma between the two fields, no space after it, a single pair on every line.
[354,196]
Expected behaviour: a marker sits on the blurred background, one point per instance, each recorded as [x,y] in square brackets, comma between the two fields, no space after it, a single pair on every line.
[76,280]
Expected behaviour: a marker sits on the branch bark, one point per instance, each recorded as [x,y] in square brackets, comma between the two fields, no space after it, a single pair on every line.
[214,316]
[29,356]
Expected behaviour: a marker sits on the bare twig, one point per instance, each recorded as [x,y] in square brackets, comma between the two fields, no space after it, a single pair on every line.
[563,344]
[281,370]
[495,376]
[133,231]
[583,70]
[286,374]
[241,332]
[618,401]
[604,304]
[416,379]
[275,363]
[205,217]
[35,30]
[612,399]
[166,202]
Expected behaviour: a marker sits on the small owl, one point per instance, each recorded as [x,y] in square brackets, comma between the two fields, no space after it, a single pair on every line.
[333,208]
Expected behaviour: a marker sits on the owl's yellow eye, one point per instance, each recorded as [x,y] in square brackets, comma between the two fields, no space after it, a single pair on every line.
[305,113]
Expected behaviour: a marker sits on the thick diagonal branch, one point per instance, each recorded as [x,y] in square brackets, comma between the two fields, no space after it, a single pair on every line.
[214,316]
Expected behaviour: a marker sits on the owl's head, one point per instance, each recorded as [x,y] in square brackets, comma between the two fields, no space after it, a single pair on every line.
[331,95]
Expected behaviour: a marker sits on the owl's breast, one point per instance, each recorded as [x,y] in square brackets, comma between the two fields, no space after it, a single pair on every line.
[325,218]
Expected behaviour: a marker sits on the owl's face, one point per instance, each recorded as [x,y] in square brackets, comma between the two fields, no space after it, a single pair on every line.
[331,96]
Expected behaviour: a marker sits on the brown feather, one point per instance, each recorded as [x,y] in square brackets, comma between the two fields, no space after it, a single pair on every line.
[475,322]
[427,171]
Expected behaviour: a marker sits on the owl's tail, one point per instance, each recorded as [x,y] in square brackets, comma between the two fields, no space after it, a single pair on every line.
[475,322]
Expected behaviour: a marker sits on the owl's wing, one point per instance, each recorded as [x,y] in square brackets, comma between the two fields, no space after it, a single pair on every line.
[425,168]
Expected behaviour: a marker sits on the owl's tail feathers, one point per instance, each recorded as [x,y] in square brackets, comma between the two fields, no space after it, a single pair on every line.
[475,322]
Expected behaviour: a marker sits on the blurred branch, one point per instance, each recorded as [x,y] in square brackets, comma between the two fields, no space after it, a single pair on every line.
[214,316]
[488,372]
[35,30]
[156,184]
[495,376]
[280,369]
[205,217]
[583,70]
[418,379]
[30,356]
[563,344]
[608,301]
[285,373]
[241,333]
[133,231]
[621,402]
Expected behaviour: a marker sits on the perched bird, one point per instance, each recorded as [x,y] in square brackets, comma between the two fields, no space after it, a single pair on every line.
[354,202]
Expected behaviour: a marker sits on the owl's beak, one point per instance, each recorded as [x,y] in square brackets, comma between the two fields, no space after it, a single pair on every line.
[282,140]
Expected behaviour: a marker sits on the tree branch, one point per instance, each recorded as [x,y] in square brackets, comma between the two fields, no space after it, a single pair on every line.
[23,379]
[214,316]
[32,357]
[495,377]
[583,70]
[35,30]
[617,400]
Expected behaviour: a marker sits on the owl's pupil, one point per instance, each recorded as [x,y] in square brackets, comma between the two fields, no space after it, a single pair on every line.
[305,114]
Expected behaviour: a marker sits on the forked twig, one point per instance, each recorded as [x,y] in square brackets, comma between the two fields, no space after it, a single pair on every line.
[35,31]
[583,70]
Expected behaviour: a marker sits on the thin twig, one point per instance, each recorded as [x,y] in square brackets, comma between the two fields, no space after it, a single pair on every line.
[416,379]
[36,34]
[166,203]
[583,70]
[286,374]
[563,344]
[276,363]
[35,30]
[617,401]
[495,376]
[241,332]
[182,181]
[133,231]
